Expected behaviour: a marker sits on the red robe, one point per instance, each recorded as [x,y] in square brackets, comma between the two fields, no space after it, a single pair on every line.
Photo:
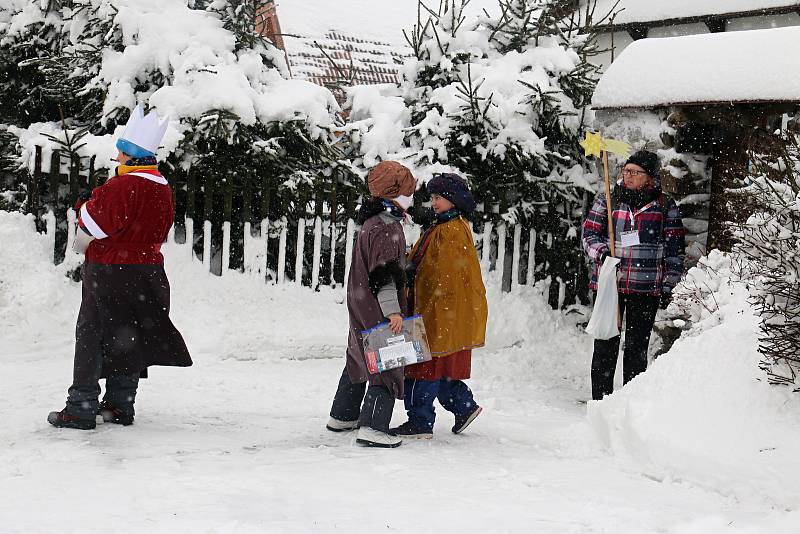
[123,324]
[130,217]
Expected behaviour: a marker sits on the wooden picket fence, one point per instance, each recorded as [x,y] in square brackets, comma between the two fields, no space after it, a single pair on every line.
[312,248]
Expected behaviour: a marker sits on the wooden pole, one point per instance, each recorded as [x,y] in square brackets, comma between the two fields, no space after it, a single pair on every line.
[610,218]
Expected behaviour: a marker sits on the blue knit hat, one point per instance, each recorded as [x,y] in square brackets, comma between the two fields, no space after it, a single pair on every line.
[453,188]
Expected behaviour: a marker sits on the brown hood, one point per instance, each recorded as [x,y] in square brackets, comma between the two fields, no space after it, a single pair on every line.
[390,180]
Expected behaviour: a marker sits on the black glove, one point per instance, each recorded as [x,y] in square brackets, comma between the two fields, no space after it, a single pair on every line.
[83,197]
[666,298]
[411,273]
[394,379]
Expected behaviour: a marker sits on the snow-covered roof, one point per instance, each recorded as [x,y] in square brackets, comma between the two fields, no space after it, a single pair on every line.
[644,11]
[739,67]
[373,61]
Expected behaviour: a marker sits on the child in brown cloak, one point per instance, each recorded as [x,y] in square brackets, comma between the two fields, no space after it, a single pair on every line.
[375,293]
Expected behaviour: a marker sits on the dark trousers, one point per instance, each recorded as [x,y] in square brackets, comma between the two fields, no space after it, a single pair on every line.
[375,411]
[83,396]
[454,396]
[640,314]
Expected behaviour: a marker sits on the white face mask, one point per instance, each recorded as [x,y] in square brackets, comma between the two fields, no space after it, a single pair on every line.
[403,201]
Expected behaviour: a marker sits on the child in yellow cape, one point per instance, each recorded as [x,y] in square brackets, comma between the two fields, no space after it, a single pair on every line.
[446,288]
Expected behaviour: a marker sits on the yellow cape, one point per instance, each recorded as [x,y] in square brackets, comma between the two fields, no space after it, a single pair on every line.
[449,291]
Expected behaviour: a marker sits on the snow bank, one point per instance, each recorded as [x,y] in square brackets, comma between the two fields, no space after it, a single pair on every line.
[33,292]
[725,67]
[527,340]
[703,413]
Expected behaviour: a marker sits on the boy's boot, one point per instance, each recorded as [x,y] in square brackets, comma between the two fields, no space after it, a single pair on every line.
[112,414]
[64,420]
[376,413]
[456,397]
[369,437]
[463,421]
[80,410]
[418,401]
[346,405]
[335,425]
[117,405]
[412,431]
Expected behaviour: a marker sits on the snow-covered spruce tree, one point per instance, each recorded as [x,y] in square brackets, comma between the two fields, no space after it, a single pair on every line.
[28,31]
[237,122]
[502,99]
[768,245]
[282,149]
[285,164]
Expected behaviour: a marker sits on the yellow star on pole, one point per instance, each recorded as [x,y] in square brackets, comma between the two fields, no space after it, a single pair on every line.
[595,144]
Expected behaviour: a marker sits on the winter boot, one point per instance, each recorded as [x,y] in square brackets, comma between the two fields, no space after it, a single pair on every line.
[335,425]
[412,431]
[369,437]
[112,414]
[64,420]
[463,421]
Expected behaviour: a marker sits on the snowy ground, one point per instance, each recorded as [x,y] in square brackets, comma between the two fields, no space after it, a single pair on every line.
[237,442]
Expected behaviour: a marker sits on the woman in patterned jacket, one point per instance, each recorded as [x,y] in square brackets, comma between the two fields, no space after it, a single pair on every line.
[649,241]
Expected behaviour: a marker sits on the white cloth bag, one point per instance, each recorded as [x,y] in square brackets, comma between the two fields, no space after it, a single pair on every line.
[604,321]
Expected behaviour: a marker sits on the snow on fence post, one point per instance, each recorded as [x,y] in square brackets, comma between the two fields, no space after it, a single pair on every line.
[282,255]
[530,276]
[247,242]
[317,252]
[72,221]
[190,236]
[71,258]
[265,238]
[515,258]
[207,245]
[333,252]
[348,248]
[301,246]
[486,248]
[255,249]
[501,252]
[50,221]
[226,246]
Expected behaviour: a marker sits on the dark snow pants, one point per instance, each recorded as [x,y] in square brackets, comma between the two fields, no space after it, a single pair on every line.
[376,410]
[640,315]
[83,395]
[454,396]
